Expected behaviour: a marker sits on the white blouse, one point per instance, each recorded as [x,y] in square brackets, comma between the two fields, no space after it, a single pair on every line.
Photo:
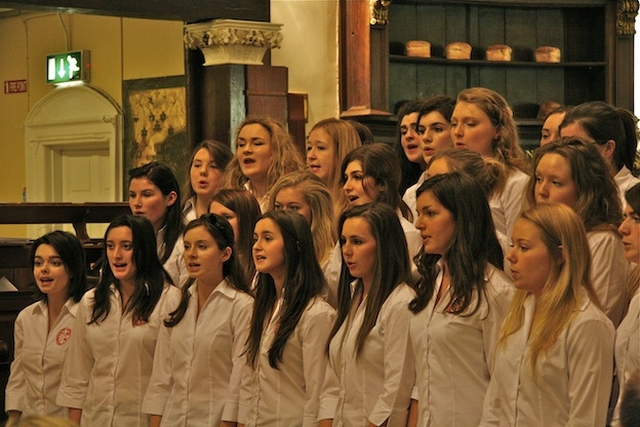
[627,350]
[375,387]
[410,198]
[453,353]
[174,265]
[189,210]
[506,206]
[39,355]
[288,396]
[109,363]
[625,180]
[198,362]
[609,271]
[573,381]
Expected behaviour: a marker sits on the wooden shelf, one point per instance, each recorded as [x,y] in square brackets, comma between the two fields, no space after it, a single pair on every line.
[484,63]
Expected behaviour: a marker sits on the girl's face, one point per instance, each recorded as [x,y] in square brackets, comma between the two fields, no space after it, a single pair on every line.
[254,151]
[146,199]
[220,209]
[292,199]
[202,256]
[551,128]
[530,259]
[471,128]
[268,249]
[410,139]
[359,249]
[630,231]
[205,175]
[553,181]
[358,188]
[120,254]
[321,155]
[435,134]
[435,223]
[50,273]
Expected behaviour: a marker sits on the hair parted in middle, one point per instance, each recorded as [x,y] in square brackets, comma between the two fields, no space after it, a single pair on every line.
[391,269]
[222,233]
[303,282]
[150,275]
[565,237]
[474,244]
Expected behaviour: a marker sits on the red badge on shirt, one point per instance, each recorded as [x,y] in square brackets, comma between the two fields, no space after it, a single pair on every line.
[138,321]
[63,336]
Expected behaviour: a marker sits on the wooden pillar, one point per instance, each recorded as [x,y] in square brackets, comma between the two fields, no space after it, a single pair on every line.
[626,11]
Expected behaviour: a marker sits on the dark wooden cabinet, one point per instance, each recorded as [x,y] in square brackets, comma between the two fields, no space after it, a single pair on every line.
[593,36]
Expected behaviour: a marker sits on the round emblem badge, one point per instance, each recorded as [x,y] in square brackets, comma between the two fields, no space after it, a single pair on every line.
[63,336]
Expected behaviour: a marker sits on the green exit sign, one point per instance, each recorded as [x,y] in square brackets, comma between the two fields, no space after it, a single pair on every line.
[68,67]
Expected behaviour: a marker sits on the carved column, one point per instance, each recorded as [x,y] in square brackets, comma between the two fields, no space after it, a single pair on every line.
[626,11]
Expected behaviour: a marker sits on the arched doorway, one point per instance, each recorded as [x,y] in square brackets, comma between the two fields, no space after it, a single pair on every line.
[73,147]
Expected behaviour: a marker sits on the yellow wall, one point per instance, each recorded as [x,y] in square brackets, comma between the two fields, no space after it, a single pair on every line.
[125,49]
[121,49]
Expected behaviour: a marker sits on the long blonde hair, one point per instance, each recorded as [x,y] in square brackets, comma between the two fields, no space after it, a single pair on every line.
[564,235]
[286,157]
[318,197]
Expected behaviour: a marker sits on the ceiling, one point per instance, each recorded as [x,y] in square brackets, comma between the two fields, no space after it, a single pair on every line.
[178,10]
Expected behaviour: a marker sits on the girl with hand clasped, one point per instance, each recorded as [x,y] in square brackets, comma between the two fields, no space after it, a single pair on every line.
[154,193]
[111,351]
[462,298]
[207,165]
[198,361]
[43,329]
[289,326]
[553,363]
[370,372]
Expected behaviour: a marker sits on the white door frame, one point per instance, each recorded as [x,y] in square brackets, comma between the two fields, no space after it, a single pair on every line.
[68,118]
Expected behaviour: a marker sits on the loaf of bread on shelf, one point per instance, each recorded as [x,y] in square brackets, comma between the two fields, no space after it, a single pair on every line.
[419,48]
[499,52]
[547,54]
[458,50]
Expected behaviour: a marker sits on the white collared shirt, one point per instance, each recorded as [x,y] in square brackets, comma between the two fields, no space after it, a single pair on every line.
[189,210]
[573,381]
[109,363]
[376,386]
[174,265]
[453,353]
[627,350]
[410,198]
[625,180]
[609,271]
[39,355]
[198,362]
[288,396]
[506,206]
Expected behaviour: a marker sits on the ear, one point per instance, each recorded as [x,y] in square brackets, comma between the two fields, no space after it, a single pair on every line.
[609,148]
[171,198]
[226,254]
